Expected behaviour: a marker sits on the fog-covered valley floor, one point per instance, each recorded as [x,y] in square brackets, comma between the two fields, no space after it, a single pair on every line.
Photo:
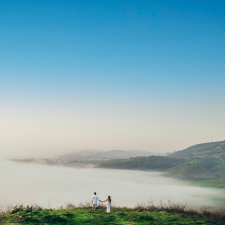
[23,183]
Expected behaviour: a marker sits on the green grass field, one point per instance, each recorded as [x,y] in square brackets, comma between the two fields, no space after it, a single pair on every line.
[86,216]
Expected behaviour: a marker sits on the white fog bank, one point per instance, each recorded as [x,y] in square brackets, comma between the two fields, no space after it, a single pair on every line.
[56,186]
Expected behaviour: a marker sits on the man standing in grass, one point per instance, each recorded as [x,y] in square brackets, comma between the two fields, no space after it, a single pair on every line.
[94,201]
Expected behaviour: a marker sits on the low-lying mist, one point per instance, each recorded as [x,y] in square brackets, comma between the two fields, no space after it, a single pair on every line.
[23,183]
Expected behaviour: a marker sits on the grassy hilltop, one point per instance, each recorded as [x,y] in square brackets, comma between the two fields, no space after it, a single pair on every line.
[140,215]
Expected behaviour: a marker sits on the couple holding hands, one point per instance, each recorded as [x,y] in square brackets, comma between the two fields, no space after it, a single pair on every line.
[95,199]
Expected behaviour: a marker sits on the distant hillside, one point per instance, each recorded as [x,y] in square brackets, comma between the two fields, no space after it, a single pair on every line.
[103,155]
[206,162]
[200,169]
[143,163]
[211,149]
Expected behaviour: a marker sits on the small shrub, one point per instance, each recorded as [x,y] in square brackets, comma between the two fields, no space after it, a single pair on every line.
[17,209]
[28,209]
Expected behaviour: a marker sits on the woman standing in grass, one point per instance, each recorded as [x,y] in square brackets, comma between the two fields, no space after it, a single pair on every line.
[108,204]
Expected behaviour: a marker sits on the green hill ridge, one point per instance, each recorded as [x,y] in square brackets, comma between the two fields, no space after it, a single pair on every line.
[211,149]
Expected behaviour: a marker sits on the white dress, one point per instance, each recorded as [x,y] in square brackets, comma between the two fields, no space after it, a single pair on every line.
[108,206]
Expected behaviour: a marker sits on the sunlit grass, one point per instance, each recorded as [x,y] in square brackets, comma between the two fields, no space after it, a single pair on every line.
[169,213]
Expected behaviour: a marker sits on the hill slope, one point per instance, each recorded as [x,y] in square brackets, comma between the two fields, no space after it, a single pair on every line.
[200,169]
[205,150]
[143,163]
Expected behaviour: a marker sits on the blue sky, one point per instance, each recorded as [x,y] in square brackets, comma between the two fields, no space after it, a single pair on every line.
[128,58]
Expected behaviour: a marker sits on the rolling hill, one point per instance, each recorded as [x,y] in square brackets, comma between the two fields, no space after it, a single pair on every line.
[200,169]
[211,149]
[202,162]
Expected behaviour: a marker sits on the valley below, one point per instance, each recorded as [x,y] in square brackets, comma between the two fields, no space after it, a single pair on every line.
[185,187]
[27,183]
[201,165]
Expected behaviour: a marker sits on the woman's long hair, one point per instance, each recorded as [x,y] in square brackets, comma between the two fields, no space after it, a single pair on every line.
[109,199]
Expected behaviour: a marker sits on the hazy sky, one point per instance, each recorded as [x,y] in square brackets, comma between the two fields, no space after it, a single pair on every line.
[146,75]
